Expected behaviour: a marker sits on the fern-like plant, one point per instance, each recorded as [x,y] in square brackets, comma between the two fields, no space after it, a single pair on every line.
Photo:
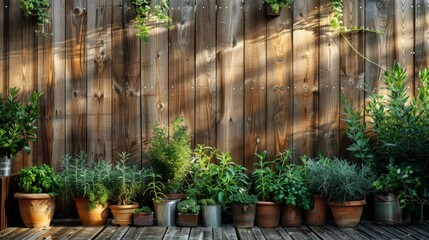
[37,8]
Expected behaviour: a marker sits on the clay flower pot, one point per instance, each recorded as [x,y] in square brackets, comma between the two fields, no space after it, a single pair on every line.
[347,214]
[291,216]
[91,217]
[123,214]
[267,214]
[36,209]
[317,215]
[243,215]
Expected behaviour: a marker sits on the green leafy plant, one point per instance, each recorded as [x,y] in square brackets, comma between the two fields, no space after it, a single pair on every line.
[148,11]
[80,179]
[207,201]
[243,198]
[315,169]
[188,206]
[171,157]
[144,209]
[345,181]
[37,8]
[17,122]
[126,181]
[155,187]
[38,179]
[276,5]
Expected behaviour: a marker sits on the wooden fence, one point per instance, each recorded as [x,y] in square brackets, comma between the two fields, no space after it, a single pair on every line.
[242,81]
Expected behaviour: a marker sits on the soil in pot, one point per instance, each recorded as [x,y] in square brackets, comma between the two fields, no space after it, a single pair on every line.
[36,209]
[347,214]
[291,216]
[387,211]
[243,215]
[267,214]
[123,214]
[187,219]
[91,217]
[317,215]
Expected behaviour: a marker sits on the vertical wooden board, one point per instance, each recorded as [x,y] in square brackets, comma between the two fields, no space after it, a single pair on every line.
[75,79]
[329,84]
[22,50]
[378,47]
[181,64]
[154,105]
[45,80]
[255,83]
[99,80]
[205,50]
[3,45]
[421,39]
[352,65]
[279,83]
[230,78]
[403,33]
[305,61]
[126,82]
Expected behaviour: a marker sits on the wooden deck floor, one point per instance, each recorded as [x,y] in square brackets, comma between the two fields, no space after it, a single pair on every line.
[366,230]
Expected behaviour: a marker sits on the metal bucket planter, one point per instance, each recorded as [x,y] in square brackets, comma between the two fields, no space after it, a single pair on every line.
[387,211]
[5,166]
[165,212]
[211,215]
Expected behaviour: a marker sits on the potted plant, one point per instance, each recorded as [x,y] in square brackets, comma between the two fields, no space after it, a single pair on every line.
[243,209]
[266,182]
[126,181]
[17,126]
[346,185]
[143,216]
[188,213]
[293,190]
[394,132]
[165,208]
[38,185]
[38,9]
[315,168]
[148,11]
[273,7]
[211,212]
[171,156]
[89,187]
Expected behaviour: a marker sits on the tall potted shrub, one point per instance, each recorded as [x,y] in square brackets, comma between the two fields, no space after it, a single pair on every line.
[346,186]
[38,187]
[127,180]
[17,126]
[89,187]
[395,132]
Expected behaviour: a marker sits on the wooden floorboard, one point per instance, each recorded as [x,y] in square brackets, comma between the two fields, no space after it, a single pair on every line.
[365,231]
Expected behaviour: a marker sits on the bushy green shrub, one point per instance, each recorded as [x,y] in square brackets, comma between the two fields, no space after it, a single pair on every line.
[38,179]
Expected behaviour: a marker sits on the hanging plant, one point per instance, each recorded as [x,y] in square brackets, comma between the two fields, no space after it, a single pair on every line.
[147,12]
[38,9]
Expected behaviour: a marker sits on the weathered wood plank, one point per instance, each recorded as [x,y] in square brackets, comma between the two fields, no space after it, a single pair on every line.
[255,83]
[125,83]
[258,233]
[351,65]
[230,77]
[201,233]
[83,232]
[350,234]
[121,231]
[414,231]
[16,233]
[98,47]
[228,232]
[6,231]
[245,234]
[205,69]
[108,232]
[34,233]
[322,232]
[55,232]
[305,69]
[329,84]
[274,233]
[421,41]
[353,233]
[154,80]
[177,233]
[133,233]
[75,79]
[182,63]
[398,233]
[300,233]
[374,230]
[152,233]
[279,83]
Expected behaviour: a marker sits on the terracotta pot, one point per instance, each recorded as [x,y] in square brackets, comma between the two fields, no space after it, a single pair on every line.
[317,215]
[37,209]
[187,219]
[123,214]
[143,219]
[91,217]
[174,196]
[387,211]
[243,215]
[347,214]
[267,214]
[291,216]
